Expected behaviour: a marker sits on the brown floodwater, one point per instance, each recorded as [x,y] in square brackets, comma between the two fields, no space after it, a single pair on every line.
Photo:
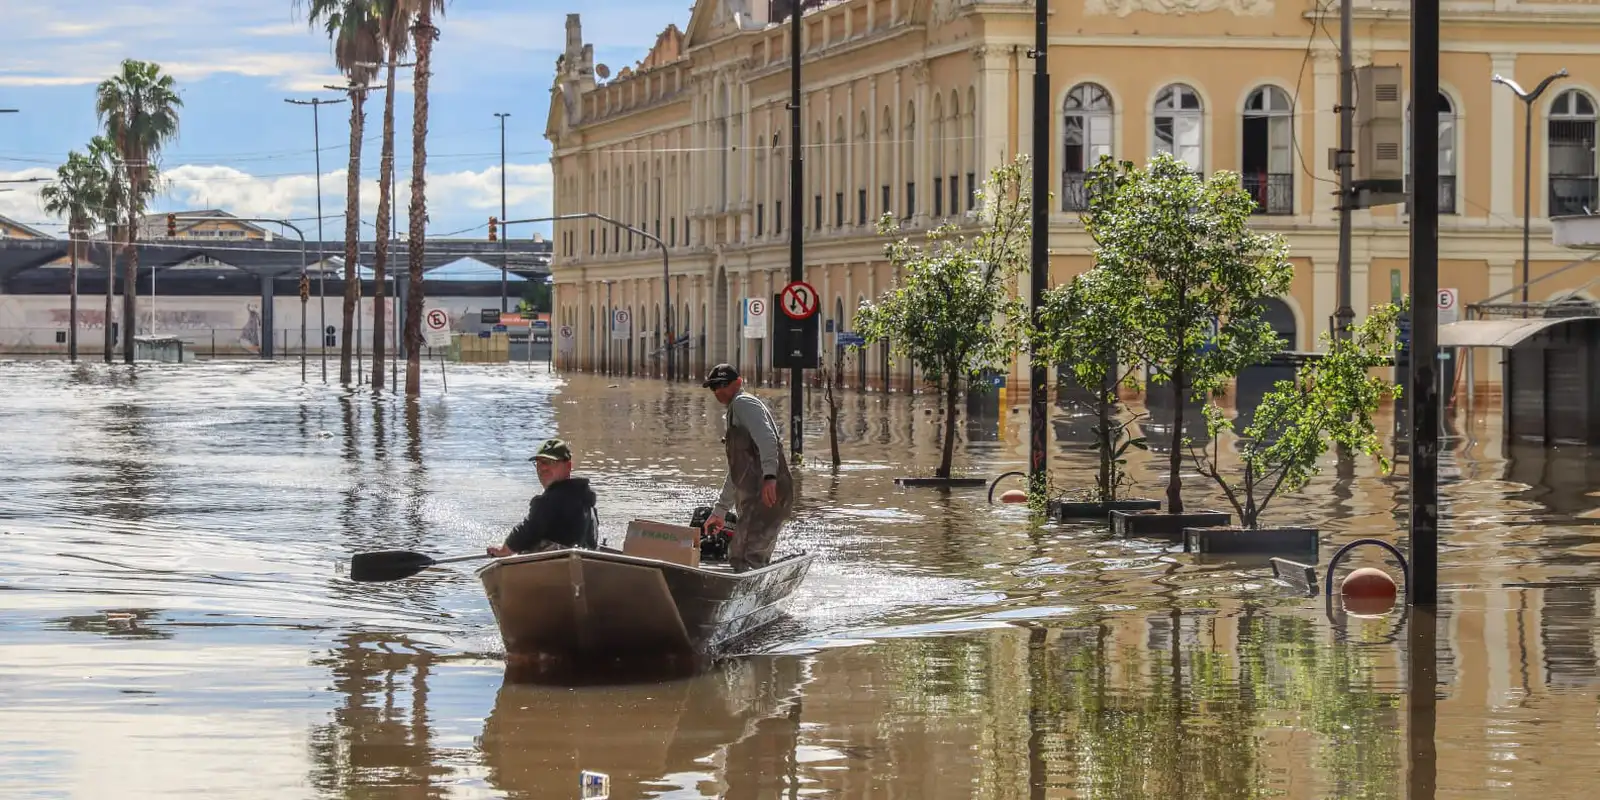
[174,621]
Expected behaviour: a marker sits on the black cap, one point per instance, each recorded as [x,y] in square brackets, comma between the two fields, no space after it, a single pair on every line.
[720,375]
[553,450]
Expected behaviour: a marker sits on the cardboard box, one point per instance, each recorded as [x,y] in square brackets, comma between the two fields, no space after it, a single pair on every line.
[678,544]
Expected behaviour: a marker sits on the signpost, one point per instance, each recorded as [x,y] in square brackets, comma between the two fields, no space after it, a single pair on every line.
[568,342]
[800,300]
[621,324]
[755,318]
[489,316]
[1449,306]
[437,323]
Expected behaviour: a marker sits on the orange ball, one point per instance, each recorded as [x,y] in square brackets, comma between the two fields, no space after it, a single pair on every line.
[1014,496]
[1368,591]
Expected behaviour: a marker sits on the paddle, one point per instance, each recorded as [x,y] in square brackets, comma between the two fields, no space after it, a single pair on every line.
[392,565]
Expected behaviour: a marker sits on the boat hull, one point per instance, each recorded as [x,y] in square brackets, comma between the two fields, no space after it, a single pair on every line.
[598,611]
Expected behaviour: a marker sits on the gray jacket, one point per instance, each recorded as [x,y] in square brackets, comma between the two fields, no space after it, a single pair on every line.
[746,411]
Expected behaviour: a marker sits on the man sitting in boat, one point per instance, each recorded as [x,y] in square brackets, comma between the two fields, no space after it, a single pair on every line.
[758,482]
[563,516]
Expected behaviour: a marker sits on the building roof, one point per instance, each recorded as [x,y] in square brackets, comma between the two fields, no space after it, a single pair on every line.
[28,229]
[1503,333]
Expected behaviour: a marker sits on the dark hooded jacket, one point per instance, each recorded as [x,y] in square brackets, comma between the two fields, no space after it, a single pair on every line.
[562,516]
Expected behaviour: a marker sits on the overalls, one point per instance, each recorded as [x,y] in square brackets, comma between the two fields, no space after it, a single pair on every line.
[757,532]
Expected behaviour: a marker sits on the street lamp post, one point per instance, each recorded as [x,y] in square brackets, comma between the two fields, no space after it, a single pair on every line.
[666,270]
[503,292]
[266,333]
[316,104]
[1527,99]
[605,349]
[1039,408]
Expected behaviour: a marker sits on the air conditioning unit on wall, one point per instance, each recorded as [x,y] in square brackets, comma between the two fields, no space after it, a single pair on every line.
[1380,167]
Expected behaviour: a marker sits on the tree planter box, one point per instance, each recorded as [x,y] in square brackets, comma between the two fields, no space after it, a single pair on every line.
[1244,541]
[947,483]
[1159,525]
[1064,510]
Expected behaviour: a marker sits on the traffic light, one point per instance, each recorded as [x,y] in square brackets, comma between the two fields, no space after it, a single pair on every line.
[172,226]
[493,222]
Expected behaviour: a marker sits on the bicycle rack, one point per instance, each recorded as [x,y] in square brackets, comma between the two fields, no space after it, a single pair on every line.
[1338,622]
[998,480]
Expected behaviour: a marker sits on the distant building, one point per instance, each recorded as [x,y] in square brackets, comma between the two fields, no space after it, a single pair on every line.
[12,229]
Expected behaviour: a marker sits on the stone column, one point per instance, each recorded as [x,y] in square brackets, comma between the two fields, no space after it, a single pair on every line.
[1504,112]
[1325,292]
[993,139]
[1325,96]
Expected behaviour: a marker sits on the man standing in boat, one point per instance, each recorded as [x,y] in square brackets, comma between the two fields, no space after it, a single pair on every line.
[758,483]
[563,516]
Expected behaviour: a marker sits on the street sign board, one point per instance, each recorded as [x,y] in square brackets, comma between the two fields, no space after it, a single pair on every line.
[1449,306]
[499,329]
[436,322]
[621,324]
[755,318]
[851,339]
[489,316]
[799,300]
[568,341]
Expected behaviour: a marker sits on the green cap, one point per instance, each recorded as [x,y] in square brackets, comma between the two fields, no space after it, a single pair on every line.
[553,450]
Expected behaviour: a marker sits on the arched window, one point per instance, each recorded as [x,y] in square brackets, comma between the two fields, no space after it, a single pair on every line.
[1447,156]
[1179,123]
[859,159]
[724,112]
[1086,129]
[839,157]
[957,130]
[1266,163]
[972,152]
[1572,156]
[937,134]
[908,156]
[813,155]
[886,162]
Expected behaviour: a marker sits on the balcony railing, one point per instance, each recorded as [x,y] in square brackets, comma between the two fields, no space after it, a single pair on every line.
[1074,191]
[1273,191]
[1571,194]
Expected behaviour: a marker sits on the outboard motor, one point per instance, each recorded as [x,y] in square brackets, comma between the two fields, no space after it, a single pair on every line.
[713,546]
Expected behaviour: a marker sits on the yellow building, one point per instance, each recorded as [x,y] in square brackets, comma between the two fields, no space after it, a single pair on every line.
[12,229]
[909,104]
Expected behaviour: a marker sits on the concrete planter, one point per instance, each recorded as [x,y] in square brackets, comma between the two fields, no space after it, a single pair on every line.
[1164,525]
[1255,542]
[1065,510]
[943,483]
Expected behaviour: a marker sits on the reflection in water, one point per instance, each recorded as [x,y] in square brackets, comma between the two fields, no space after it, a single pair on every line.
[173,549]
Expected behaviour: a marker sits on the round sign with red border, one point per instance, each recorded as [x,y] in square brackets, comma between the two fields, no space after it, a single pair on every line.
[799,300]
[437,319]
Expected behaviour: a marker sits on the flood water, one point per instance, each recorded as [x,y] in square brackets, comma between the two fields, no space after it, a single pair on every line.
[174,621]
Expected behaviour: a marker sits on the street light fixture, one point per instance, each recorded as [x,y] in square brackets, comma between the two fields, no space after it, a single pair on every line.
[316,104]
[1527,99]
[503,291]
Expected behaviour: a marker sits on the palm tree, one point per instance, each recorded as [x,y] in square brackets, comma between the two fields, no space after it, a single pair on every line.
[352,26]
[424,33]
[103,152]
[77,194]
[139,108]
[394,29]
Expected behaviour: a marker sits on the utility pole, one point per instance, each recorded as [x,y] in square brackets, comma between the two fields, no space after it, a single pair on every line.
[1424,388]
[797,221]
[316,104]
[1038,378]
[1345,315]
[503,290]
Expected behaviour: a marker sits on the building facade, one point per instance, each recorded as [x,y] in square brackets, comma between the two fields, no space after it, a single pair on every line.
[908,104]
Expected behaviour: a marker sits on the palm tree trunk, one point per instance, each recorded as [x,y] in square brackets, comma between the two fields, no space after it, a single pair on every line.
[109,345]
[352,233]
[381,261]
[72,302]
[130,289]
[423,34]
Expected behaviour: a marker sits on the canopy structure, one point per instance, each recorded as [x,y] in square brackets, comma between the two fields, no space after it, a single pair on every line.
[277,257]
[1502,333]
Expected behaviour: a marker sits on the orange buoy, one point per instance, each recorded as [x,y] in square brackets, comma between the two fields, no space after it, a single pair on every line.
[1368,591]
[1014,496]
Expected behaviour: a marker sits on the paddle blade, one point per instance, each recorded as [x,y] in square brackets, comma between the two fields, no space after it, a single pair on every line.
[387,565]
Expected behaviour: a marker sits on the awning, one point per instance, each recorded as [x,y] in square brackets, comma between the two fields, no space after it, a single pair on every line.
[1506,333]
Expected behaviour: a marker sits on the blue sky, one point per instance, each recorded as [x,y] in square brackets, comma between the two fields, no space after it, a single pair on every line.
[243,149]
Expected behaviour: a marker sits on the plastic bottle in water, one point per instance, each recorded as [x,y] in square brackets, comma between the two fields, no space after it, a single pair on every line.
[594,785]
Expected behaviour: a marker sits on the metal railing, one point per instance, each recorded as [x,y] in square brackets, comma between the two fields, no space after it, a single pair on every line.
[1573,194]
[1272,191]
